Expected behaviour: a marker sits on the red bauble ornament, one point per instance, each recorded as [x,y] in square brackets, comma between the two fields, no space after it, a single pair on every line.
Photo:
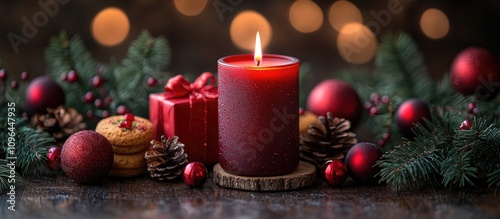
[466,125]
[360,161]
[475,71]
[195,174]
[334,172]
[87,157]
[337,97]
[42,93]
[54,158]
[410,112]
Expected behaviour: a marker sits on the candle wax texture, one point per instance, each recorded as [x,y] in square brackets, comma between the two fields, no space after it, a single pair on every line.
[258,115]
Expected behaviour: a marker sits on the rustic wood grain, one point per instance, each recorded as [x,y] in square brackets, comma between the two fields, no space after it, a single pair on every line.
[303,176]
[142,197]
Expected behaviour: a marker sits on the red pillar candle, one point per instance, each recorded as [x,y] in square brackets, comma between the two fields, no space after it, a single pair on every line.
[258,115]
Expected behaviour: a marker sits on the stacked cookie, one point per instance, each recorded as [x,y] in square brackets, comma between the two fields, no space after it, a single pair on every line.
[130,140]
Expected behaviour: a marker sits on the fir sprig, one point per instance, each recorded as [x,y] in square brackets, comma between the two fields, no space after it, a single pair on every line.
[30,149]
[145,58]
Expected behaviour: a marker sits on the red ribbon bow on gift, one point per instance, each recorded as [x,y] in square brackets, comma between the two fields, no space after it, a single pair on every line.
[178,86]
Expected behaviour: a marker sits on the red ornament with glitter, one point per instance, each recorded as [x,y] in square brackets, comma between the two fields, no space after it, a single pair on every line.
[195,174]
[360,161]
[189,111]
[334,172]
[475,71]
[336,97]
[409,113]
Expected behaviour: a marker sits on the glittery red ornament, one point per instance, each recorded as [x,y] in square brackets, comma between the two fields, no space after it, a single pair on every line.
[360,161]
[409,113]
[475,71]
[42,93]
[334,172]
[337,97]
[54,158]
[195,174]
[87,157]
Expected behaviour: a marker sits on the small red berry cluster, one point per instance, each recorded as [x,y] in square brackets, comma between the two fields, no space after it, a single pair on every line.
[13,84]
[378,105]
[128,122]
[101,103]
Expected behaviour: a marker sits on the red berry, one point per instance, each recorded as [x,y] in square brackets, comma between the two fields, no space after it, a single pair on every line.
[129,117]
[466,125]
[108,100]
[89,97]
[14,84]
[386,136]
[3,74]
[373,111]
[127,124]
[368,105]
[90,114]
[472,106]
[72,76]
[152,82]
[121,110]
[64,76]
[105,114]
[474,111]
[24,76]
[375,98]
[385,99]
[381,142]
[301,111]
[97,81]
[98,103]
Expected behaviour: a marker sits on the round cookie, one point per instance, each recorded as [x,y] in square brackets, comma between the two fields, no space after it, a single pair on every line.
[305,121]
[131,149]
[129,161]
[126,140]
[127,172]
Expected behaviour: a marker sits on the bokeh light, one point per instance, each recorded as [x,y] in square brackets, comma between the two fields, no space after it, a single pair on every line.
[110,26]
[342,13]
[245,25]
[356,43]
[305,16]
[190,7]
[434,23]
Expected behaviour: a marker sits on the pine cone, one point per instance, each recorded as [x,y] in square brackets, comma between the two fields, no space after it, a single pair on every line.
[167,159]
[59,122]
[329,139]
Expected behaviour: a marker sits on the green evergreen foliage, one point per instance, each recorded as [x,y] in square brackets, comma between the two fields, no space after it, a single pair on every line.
[440,153]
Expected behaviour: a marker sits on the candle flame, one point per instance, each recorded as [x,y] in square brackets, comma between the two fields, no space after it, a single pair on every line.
[258,50]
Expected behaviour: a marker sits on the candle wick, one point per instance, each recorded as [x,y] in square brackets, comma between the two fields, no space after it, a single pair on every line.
[258,62]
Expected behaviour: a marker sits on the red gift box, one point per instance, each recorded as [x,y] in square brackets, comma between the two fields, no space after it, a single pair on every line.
[188,111]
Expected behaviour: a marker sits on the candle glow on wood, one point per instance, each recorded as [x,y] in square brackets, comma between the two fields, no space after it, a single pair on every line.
[257,56]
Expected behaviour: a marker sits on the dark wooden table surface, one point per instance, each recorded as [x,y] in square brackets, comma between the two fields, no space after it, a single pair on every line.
[146,198]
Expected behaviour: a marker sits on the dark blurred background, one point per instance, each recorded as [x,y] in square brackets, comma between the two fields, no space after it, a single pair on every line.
[198,41]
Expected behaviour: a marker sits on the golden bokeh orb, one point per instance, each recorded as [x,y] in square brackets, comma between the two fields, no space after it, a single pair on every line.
[110,26]
[342,13]
[305,16]
[434,23]
[244,27]
[190,7]
[356,43]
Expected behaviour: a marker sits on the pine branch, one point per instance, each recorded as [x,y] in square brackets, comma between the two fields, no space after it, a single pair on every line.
[401,66]
[63,55]
[494,178]
[5,175]
[145,57]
